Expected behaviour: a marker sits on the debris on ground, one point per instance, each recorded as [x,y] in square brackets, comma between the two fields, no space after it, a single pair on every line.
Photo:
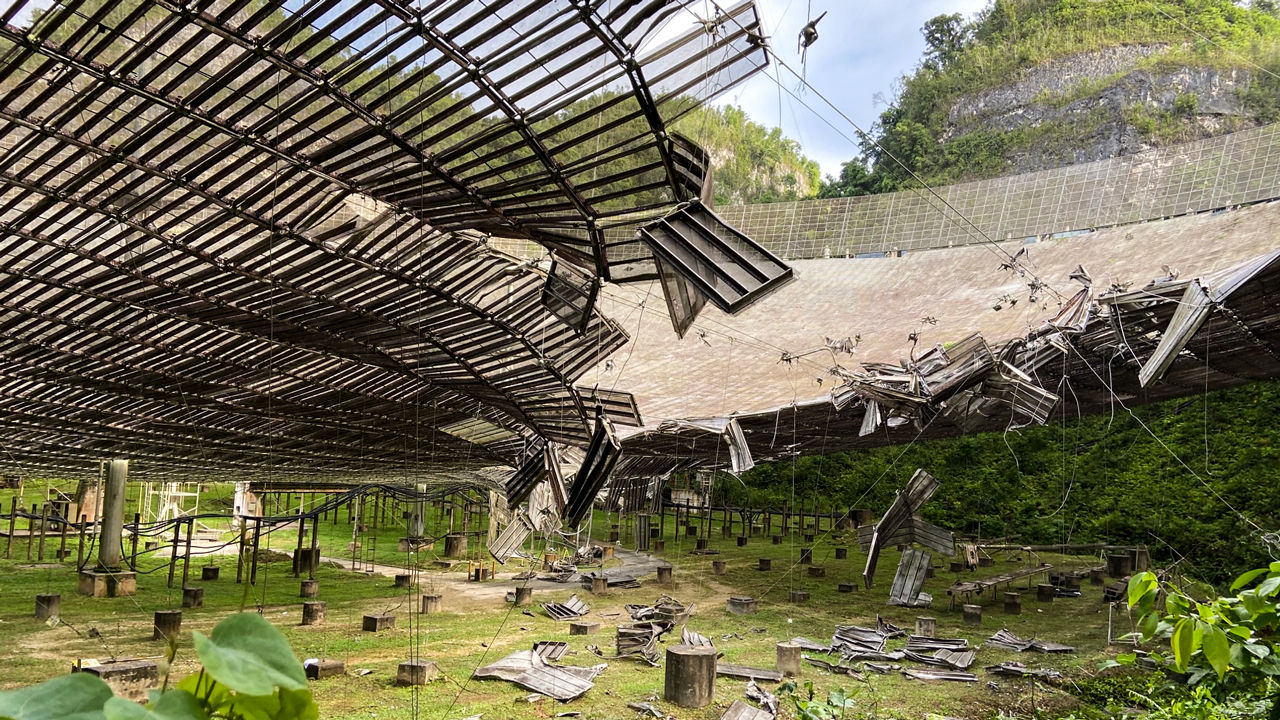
[550,650]
[953,675]
[838,668]
[528,670]
[640,639]
[695,639]
[764,698]
[742,711]
[744,672]
[570,609]
[922,644]
[1017,669]
[1008,641]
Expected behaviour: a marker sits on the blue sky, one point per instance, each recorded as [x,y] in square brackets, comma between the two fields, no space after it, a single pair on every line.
[862,48]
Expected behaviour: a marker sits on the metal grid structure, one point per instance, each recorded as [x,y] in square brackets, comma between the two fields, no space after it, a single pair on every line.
[1224,171]
[249,238]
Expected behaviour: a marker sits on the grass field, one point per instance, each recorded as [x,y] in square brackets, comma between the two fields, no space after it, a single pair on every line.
[479,627]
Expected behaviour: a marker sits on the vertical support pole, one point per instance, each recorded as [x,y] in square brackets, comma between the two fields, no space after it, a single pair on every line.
[253,562]
[84,522]
[62,543]
[13,518]
[44,526]
[315,549]
[297,552]
[133,541]
[186,555]
[31,531]
[111,527]
[173,551]
[240,556]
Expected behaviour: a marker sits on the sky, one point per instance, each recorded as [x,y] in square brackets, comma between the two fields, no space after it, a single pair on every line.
[862,47]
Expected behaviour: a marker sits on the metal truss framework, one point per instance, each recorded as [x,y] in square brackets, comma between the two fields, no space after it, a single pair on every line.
[239,238]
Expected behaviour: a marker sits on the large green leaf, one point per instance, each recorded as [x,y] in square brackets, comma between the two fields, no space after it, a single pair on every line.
[170,705]
[1247,578]
[282,705]
[1216,649]
[1268,587]
[248,655]
[1183,642]
[78,696]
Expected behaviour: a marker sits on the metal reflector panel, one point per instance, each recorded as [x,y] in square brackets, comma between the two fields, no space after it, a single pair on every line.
[728,267]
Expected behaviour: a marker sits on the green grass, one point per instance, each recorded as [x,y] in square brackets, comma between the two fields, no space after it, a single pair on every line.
[33,651]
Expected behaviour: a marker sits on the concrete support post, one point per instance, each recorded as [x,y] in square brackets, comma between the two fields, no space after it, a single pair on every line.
[111,538]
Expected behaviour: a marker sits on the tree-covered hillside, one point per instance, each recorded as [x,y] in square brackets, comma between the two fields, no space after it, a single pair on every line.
[1029,84]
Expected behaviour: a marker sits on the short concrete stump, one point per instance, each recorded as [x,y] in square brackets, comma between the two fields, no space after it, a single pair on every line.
[378,623]
[654,533]
[192,597]
[310,588]
[742,606]
[209,573]
[167,624]
[766,563]
[691,530]
[613,536]
[107,583]
[777,540]
[956,566]
[1097,576]
[986,562]
[130,679]
[845,587]
[926,626]
[1044,592]
[798,596]
[690,679]
[1012,603]
[664,574]
[584,628]
[700,544]
[817,571]
[322,669]
[313,612]
[417,672]
[718,567]
[524,596]
[806,555]
[742,541]
[402,580]
[789,659]
[808,538]
[599,585]
[48,606]
[455,546]
[433,603]
[659,545]
[842,553]
[972,614]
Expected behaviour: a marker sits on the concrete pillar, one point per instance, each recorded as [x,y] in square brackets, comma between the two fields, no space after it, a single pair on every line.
[690,676]
[789,659]
[111,538]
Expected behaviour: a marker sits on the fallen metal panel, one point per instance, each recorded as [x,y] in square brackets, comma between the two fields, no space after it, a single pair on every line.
[620,407]
[684,301]
[907,583]
[694,639]
[550,650]
[742,711]
[570,609]
[528,670]
[922,644]
[954,675]
[748,673]
[933,537]
[1016,669]
[1193,310]
[739,451]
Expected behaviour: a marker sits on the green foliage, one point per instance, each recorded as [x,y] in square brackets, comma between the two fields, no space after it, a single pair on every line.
[1092,479]
[250,673]
[1225,644]
[752,163]
[834,706]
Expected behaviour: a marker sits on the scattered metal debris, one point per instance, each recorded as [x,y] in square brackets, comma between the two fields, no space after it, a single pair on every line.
[807,644]
[858,639]
[570,609]
[744,672]
[646,709]
[838,668]
[550,650]
[766,699]
[695,639]
[640,639]
[1017,669]
[616,580]
[909,579]
[528,670]
[955,659]
[742,711]
[1008,641]
[922,644]
[954,675]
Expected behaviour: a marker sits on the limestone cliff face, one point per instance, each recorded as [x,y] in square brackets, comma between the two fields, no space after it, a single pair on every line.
[1101,104]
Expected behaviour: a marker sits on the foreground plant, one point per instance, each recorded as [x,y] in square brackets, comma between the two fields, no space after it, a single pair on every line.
[1225,645]
[249,673]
